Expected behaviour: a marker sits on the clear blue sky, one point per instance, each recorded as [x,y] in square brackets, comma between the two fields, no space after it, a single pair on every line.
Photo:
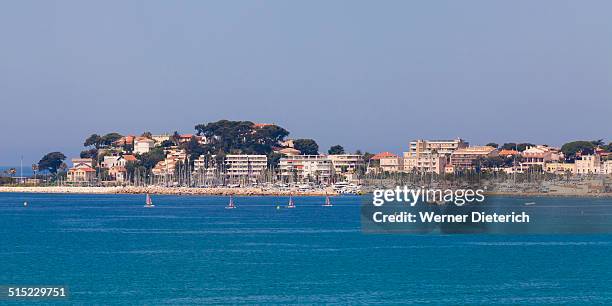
[369,75]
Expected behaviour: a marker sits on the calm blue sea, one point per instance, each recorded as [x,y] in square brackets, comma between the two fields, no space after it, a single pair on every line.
[108,249]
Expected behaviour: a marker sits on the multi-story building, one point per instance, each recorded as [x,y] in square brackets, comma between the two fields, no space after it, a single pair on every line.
[250,166]
[559,168]
[82,170]
[318,168]
[143,145]
[82,174]
[346,163]
[111,161]
[464,158]
[444,147]
[388,162]
[539,156]
[118,173]
[589,164]
[424,163]
[205,167]
[606,167]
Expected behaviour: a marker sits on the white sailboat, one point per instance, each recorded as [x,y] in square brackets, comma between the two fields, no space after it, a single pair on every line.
[231,204]
[327,201]
[148,202]
[291,203]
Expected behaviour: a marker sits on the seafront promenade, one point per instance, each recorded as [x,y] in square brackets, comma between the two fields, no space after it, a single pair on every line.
[252,191]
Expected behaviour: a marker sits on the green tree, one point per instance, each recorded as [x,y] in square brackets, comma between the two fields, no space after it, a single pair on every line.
[167,143]
[336,150]
[306,146]
[241,136]
[91,153]
[110,138]
[570,149]
[94,140]
[151,158]
[51,162]
[492,144]
[517,146]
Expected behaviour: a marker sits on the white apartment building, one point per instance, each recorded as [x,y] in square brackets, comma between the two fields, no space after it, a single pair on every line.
[205,166]
[112,161]
[306,168]
[143,145]
[464,158]
[242,165]
[606,167]
[424,163]
[444,147]
[346,163]
[589,164]
[540,155]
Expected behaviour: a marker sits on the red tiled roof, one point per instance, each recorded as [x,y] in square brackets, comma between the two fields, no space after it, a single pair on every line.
[129,157]
[508,152]
[383,155]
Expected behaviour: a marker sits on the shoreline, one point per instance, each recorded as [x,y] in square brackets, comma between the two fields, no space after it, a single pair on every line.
[225,191]
[216,191]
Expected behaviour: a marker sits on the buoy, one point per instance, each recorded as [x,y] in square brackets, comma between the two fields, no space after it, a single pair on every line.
[25,203]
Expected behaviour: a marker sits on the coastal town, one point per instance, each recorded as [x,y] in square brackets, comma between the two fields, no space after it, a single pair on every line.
[260,156]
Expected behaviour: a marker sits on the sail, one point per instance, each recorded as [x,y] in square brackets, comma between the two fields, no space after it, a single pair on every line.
[291,203]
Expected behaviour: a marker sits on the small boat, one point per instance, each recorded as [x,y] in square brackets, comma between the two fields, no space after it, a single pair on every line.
[277,207]
[327,201]
[230,205]
[148,202]
[25,204]
[291,203]
[530,203]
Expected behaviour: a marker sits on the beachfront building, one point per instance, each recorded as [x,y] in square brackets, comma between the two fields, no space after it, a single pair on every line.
[306,168]
[205,169]
[388,162]
[238,166]
[143,145]
[444,147]
[112,161]
[559,168]
[167,167]
[346,165]
[81,175]
[82,170]
[464,158]
[589,164]
[606,167]
[424,162]
[118,173]
[539,156]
